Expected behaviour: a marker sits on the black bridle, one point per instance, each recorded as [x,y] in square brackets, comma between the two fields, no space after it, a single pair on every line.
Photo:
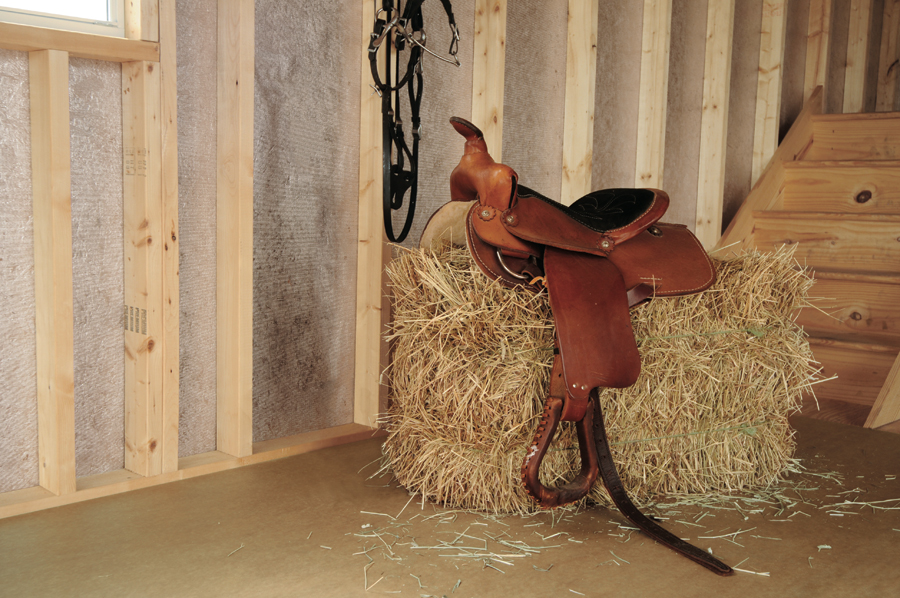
[404,29]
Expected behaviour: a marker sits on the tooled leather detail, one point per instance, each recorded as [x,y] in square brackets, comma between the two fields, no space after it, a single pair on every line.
[532,451]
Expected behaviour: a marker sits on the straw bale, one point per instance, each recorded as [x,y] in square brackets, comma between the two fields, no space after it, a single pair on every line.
[721,372]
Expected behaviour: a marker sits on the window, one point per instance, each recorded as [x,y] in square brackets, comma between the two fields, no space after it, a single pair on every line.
[101,17]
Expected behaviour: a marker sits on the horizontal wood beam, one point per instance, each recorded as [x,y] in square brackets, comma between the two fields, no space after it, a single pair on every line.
[26,38]
[29,500]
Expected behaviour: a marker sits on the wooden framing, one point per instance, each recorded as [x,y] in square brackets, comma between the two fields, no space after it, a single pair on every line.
[234,229]
[372,308]
[857,49]
[768,91]
[817,46]
[143,268]
[767,193]
[581,77]
[888,96]
[142,19]
[51,183]
[652,102]
[489,39]
[886,409]
[169,227]
[25,38]
[19,502]
[714,121]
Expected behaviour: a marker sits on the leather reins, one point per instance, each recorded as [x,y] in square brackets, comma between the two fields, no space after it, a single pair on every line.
[404,30]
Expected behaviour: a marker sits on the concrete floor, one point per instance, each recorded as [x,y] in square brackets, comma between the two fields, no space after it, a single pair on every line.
[313,525]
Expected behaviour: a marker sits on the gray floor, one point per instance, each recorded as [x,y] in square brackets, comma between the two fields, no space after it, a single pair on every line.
[313,525]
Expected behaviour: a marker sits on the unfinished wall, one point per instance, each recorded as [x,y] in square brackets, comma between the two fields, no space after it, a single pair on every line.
[306,162]
[682,152]
[742,105]
[18,390]
[95,108]
[196,44]
[535,93]
[96,149]
[616,94]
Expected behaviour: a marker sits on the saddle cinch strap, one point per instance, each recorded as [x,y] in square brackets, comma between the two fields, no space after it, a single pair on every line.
[597,258]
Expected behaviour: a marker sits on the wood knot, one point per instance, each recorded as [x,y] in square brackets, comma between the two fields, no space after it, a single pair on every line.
[863,196]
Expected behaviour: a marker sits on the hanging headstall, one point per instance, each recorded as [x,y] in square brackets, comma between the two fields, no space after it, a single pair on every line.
[405,30]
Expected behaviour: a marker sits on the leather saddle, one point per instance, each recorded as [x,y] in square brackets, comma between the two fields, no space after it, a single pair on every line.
[597,258]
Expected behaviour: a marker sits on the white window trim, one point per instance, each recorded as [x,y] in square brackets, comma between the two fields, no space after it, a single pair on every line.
[115,27]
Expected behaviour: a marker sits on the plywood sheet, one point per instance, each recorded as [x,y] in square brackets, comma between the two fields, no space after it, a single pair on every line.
[18,393]
[305,193]
[196,41]
[97,270]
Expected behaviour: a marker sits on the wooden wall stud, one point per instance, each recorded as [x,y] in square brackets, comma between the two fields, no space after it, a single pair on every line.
[51,183]
[234,228]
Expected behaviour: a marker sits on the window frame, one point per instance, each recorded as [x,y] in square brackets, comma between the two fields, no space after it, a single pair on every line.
[115,27]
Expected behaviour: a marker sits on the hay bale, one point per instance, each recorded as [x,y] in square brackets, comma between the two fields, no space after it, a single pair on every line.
[721,372]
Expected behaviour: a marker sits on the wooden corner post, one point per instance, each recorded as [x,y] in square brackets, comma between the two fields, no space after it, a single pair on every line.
[234,229]
[372,306]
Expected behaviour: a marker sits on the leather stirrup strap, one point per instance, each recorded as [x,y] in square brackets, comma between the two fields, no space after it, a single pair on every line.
[626,507]
[578,488]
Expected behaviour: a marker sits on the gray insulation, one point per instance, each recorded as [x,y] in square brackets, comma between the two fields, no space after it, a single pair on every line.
[196,45]
[18,391]
[306,168]
[95,108]
[535,93]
